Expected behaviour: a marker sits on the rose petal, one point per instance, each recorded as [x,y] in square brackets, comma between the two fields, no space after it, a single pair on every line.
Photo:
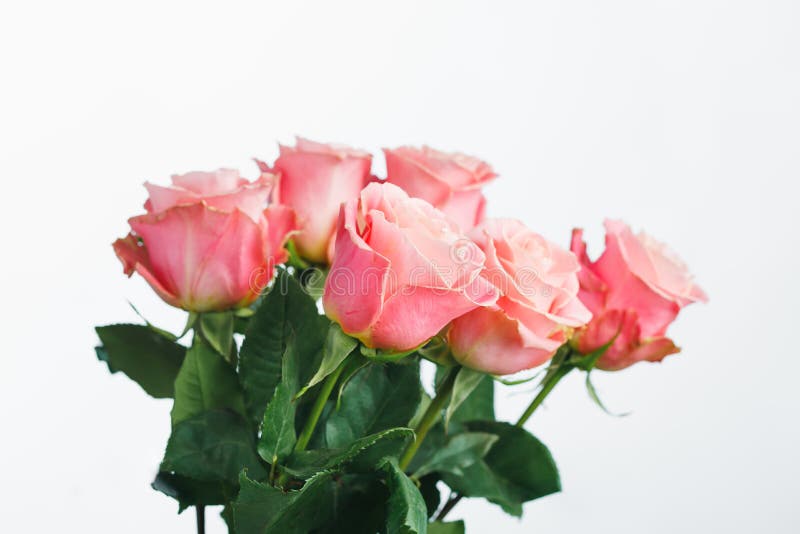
[184,242]
[488,340]
[357,279]
[134,257]
[202,183]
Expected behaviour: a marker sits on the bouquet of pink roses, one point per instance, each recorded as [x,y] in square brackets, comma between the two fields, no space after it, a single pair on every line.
[296,421]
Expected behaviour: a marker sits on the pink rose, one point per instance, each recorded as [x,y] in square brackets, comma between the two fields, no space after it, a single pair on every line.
[401,271]
[451,182]
[635,290]
[538,304]
[206,242]
[314,179]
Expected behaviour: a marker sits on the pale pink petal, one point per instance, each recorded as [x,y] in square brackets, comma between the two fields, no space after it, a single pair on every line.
[250,199]
[626,290]
[414,315]
[653,350]
[357,279]
[488,340]
[314,180]
[465,208]
[335,149]
[654,263]
[163,198]
[407,172]
[202,183]
[179,241]
[134,257]
[618,325]
[225,274]
[281,224]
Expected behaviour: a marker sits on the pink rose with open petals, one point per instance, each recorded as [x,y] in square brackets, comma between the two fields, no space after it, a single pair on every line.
[206,242]
[451,182]
[313,180]
[401,270]
[635,290]
[538,304]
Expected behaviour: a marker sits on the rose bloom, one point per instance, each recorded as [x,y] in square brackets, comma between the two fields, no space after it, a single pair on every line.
[313,180]
[206,242]
[401,270]
[635,290]
[451,182]
[537,308]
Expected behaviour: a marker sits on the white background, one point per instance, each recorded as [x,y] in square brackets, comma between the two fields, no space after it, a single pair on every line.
[682,117]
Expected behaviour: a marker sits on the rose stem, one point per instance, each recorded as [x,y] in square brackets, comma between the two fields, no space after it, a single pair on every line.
[319,405]
[547,387]
[201,518]
[430,416]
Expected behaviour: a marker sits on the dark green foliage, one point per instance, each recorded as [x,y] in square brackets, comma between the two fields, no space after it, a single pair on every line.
[518,468]
[146,356]
[379,397]
[286,309]
[241,423]
[212,446]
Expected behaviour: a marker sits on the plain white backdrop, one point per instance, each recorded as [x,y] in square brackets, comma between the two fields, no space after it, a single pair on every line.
[681,117]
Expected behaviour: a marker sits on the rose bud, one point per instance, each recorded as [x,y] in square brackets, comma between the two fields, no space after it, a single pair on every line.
[451,182]
[206,242]
[401,270]
[537,308]
[635,290]
[313,180]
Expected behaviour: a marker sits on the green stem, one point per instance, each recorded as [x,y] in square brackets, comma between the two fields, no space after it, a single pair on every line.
[547,387]
[201,518]
[430,416]
[319,405]
[451,503]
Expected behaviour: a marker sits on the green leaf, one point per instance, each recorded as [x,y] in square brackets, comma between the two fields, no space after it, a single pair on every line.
[212,446]
[262,509]
[596,398]
[478,405]
[466,381]
[227,516]
[147,357]
[205,382]
[586,362]
[379,397]
[284,309]
[519,381]
[362,456]
[351,369]
[278,435]
[360,505]
[438,527]
[217,329]
[461,451]
[190,492]
[166,333]
[517,469]
[337,348]
[406,510]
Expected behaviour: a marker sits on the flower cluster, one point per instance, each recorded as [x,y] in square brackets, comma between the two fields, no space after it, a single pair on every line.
[411,256]
[289,430]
